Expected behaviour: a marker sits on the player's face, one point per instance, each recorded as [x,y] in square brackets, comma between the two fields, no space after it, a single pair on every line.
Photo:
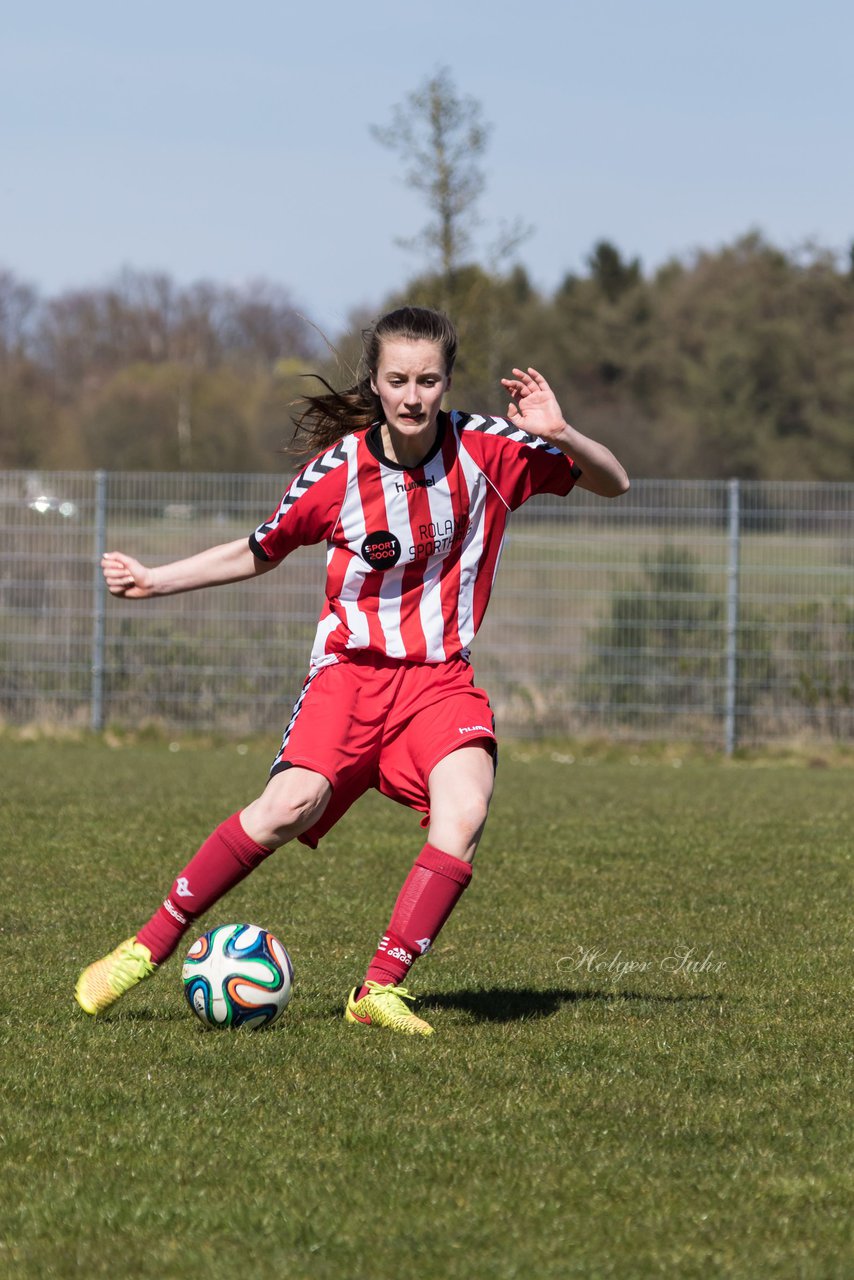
[410,380]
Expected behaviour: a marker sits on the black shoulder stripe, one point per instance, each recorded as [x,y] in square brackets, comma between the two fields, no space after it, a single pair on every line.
[310,474]
[314,471]
[501,427]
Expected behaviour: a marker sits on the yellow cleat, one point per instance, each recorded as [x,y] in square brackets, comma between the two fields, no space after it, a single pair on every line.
[384,1007]
[103,982]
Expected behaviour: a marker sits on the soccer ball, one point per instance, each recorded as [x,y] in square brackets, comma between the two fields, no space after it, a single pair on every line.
[238,975]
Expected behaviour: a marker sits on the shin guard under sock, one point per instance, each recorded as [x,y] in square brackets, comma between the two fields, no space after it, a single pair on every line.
[225,858]
[429,895]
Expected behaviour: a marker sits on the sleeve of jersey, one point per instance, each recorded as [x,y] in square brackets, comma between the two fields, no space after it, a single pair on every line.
[521,466]
[306,514]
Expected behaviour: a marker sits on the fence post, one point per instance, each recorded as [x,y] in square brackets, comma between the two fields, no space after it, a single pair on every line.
[99,602]
[733,555]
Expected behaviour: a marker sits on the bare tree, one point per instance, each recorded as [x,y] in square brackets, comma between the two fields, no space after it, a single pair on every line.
[18,306]
[441,137]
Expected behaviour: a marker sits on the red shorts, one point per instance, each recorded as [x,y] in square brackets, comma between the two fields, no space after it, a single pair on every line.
[369,721]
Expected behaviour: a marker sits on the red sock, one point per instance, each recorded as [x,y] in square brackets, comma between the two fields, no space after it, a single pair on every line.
[225,858]
[429,895]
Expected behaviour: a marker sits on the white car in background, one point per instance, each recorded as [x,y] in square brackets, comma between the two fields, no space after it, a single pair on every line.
[46,504]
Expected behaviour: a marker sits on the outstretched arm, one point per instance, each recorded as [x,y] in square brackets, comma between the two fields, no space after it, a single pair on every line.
[229,562]
[535,409]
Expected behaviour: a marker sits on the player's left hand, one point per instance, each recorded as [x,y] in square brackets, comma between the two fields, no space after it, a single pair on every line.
[534,405]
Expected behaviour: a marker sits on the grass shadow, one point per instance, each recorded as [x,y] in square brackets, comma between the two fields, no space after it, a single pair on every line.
[505,1004]
[498,1004]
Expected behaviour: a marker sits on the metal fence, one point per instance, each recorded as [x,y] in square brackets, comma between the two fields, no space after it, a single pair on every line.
[716,612]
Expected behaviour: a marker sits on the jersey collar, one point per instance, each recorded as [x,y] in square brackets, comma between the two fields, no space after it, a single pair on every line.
[374,441]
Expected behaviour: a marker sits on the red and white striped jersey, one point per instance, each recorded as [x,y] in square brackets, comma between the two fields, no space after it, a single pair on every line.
[412,551]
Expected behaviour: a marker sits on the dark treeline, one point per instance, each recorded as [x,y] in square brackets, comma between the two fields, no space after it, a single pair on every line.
[738,362]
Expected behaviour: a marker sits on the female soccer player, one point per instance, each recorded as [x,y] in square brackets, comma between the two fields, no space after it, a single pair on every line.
[412,503]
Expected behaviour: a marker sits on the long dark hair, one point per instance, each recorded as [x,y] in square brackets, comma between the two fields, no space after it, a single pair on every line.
[323,419]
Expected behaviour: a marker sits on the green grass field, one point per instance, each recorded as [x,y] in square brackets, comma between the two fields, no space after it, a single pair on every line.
[591,1106]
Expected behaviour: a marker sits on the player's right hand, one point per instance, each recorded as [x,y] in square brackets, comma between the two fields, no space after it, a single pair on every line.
[126,577]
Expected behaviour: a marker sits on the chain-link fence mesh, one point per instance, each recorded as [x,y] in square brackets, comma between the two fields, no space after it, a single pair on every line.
[703,611]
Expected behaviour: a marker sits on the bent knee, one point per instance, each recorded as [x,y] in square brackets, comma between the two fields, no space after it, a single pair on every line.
[457,827]
[470,802]
[471,813]
[292,802]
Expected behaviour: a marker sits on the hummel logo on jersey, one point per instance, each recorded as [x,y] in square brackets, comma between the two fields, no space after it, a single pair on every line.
[182,887]
[427,483]
[475,728]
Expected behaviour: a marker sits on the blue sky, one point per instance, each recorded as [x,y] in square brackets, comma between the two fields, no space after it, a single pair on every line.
[229,143]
